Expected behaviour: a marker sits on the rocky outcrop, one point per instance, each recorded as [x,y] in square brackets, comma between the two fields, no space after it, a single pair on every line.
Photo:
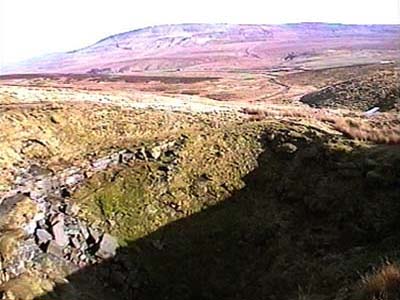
[40,223]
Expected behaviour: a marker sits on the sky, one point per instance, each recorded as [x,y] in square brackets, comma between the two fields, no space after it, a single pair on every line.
[30,28]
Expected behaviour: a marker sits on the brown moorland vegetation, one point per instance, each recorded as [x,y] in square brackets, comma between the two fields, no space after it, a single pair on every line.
[201,172]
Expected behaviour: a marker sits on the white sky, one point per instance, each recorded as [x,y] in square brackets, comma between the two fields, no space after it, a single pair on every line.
[30,28]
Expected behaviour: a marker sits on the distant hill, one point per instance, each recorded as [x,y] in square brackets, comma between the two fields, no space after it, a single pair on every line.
[218,47]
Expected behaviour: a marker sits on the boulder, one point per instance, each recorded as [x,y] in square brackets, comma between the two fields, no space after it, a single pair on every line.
[60,237]
[55,249]
[287,148]
[43,236]
[84,230]
[107,247]
[156,152]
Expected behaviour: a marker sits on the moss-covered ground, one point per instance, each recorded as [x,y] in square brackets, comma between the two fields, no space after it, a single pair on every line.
[248,210]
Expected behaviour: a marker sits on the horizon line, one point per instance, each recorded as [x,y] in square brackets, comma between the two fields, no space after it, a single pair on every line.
[196,23]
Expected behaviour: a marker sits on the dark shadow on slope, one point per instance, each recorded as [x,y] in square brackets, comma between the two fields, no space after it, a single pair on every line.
[304,224]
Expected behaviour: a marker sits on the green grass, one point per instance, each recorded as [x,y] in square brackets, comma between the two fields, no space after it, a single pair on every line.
[236,216]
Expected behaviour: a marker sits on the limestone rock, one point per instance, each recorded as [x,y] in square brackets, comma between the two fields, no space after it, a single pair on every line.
[36,170]
[43,236]
[60,237]
[55,249]
[287,148]
[84,230]
[156,152]
[126,157]
[108,247]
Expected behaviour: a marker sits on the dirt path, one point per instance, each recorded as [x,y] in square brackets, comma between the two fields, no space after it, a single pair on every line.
[288,93]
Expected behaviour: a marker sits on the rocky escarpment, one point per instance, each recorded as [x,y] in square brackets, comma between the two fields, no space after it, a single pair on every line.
[43,239]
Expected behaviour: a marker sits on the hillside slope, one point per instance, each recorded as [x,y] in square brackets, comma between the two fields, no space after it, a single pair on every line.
[215,47]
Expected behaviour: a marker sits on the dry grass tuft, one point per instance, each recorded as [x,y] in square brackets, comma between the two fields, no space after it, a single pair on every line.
[382,284]
[369,130]
[382,129]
